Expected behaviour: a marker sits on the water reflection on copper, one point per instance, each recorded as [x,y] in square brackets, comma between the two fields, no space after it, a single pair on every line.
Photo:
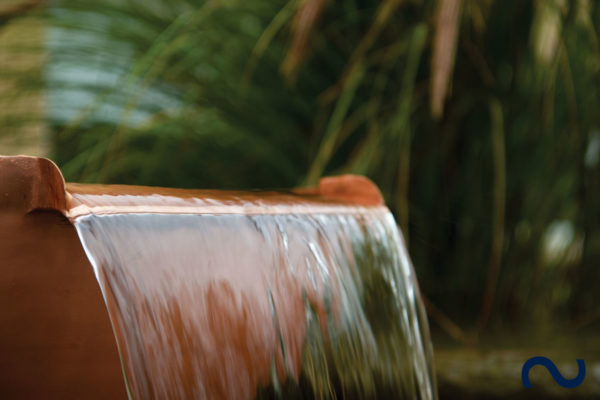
[249,293]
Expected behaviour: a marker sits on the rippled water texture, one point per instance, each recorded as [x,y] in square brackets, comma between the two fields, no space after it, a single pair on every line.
[262,306]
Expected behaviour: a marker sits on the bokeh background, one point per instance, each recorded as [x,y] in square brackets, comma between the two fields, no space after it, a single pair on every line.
[478,119]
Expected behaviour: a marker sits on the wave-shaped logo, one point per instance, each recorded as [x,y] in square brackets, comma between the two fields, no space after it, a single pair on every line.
[551,367]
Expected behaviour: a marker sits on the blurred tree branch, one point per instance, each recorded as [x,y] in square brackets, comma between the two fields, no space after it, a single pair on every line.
[444,51]
[18,10]
[498,210]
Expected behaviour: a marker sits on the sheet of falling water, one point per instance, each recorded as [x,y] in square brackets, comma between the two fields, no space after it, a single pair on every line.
[263,306]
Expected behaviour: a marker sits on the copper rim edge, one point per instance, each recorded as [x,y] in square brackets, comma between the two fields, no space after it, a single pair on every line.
[33,183]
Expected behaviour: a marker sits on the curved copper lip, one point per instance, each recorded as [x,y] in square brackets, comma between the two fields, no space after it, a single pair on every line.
[32,183]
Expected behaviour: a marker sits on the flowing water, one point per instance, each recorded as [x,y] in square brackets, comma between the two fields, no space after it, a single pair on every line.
[234,306]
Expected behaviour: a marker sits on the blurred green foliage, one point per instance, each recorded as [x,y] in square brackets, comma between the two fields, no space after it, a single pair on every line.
[478,119]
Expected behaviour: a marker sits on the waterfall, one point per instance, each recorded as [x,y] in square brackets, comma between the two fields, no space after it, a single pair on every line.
[262,305]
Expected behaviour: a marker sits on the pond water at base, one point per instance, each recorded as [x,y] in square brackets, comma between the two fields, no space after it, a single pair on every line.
[262,306]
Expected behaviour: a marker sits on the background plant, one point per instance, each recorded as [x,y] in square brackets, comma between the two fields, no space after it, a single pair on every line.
[478,119]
